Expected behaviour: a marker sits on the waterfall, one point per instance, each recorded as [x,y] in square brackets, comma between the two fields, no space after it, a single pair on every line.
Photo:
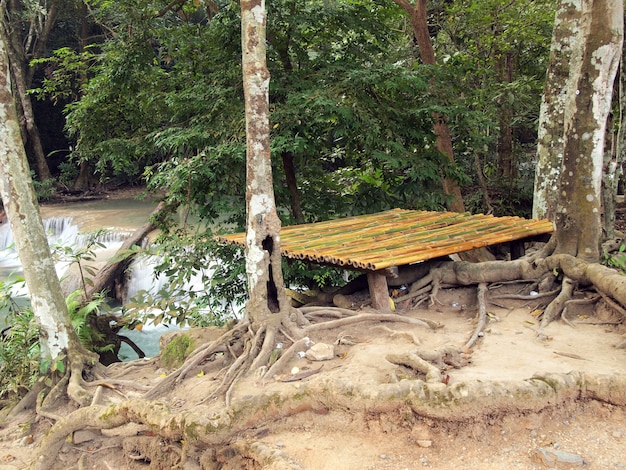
[60,231]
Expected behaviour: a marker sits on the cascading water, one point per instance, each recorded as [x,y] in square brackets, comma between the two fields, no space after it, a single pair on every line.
[121,216]
[61,231]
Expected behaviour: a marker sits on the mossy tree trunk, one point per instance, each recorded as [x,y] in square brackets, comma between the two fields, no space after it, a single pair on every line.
[595,59]
[551,114]
[58,340]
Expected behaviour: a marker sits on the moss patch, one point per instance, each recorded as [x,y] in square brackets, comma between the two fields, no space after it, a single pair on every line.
[176,351]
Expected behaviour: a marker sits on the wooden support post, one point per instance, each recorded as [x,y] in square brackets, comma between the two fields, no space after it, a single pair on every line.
[517,249]
[379,291]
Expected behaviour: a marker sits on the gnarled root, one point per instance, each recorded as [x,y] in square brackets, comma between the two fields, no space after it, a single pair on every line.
[412,360]
[555,308]
[482,315]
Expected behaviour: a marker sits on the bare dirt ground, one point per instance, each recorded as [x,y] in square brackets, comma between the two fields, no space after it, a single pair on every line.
[338,437]
[496,431]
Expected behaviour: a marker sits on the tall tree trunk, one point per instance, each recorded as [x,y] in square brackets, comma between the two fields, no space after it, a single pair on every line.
[418,15]
[506,166]
[267,296]
[620,140]
[57,335]
[550,136]
[19,66]
[596,55]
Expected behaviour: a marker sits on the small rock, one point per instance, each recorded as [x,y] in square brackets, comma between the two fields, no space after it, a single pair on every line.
[420,431]
[424,442]
[320,352]
[383,456]
[280,444]
[552,457]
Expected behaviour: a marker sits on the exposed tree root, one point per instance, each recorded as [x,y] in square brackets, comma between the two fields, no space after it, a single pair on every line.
[412,360]
[206,428]
[555,308]
[482,315]
[246,350]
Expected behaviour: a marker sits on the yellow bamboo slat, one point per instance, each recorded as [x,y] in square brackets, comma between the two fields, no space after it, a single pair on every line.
[397,237]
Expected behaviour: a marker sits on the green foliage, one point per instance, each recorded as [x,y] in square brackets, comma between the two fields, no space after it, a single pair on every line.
[81,255]
[616,260]
[311,276]
[496,56]
[44,190]
[83,316]
[205,283]
[66,73]
[19,344]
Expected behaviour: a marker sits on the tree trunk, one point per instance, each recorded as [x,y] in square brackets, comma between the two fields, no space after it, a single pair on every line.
[595,59]
[84,179]
[620,140]
[419,20]
[610,177]
[267,295]
[18,71]
[506,166]
[57,336]
[292,186]
[550,138]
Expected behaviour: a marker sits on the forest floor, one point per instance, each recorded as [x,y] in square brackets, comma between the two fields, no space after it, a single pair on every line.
[577,431]
[332,437]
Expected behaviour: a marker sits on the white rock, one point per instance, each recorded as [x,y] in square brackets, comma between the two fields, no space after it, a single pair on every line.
[320,352]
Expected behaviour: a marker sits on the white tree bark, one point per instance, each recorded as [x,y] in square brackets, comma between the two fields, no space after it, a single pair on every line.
[263,258]
[550,133]
[594,63]
[22,210]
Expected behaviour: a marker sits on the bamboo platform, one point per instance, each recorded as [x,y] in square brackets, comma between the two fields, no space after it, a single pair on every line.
[374,242]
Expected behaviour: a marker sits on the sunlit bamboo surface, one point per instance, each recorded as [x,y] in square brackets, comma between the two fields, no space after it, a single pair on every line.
[397,237]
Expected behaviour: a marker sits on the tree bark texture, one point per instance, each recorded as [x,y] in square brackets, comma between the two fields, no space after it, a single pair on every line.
[610,178]
[16,188]
[267,295]
[550,134]
[620,140]
[594,63]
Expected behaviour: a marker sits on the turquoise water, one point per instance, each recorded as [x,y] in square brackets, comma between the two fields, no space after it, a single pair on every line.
[65,223]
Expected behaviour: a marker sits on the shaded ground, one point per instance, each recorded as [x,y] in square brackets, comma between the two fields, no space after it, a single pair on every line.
[332,435]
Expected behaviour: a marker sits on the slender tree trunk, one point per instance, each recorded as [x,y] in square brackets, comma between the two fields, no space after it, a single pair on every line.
[292,185]
[506,165]
[418,16]
[267,295]
[597,52]
[57,336]
[620,140]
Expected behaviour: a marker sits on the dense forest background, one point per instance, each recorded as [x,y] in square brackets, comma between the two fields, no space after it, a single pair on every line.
[141,92]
